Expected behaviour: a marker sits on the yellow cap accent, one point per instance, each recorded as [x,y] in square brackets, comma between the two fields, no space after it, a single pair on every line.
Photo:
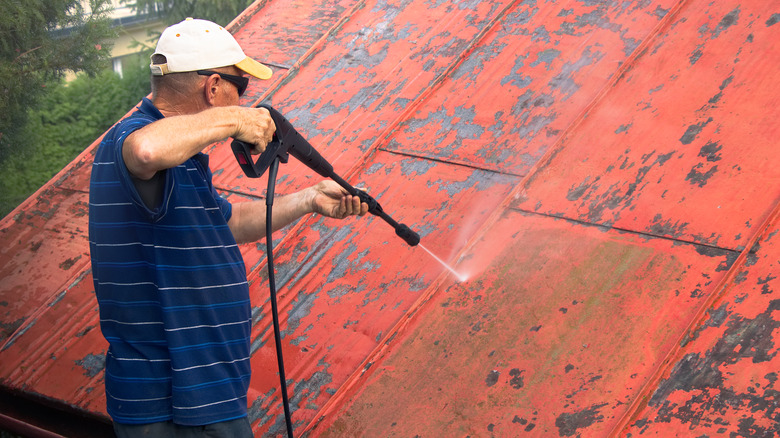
[254,68]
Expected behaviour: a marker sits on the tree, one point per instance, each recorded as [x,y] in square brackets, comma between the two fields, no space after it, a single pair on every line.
[174,11]
[39,41]
[70,117]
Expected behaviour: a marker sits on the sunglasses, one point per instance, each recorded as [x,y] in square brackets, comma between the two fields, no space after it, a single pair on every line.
[241,82]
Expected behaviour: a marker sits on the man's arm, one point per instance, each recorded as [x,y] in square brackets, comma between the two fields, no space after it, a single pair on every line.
[171,141]
[326,198]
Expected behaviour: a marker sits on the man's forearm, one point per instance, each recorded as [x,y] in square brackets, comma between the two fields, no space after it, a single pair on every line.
[248,220]
[173,140]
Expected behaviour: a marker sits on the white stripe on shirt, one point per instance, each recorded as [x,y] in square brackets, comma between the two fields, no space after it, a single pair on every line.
[209,365]
[210,404]
[208,326]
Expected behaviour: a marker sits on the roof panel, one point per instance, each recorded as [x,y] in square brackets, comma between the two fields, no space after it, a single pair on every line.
[45,248]
[62,355]
[554,334]
[350,93]
[528,79]
[280,33]
[678,147]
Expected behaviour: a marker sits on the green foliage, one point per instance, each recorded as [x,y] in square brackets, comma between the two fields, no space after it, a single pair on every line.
[45,123]
[71,116]
[174,11]
[39,41]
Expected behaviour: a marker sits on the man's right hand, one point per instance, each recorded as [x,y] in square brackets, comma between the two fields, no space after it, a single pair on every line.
[256,127]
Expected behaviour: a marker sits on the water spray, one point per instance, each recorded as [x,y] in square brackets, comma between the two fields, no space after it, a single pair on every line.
[461,277]
[287,141]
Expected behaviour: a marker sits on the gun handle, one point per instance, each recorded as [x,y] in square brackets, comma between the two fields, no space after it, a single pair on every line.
[255,169]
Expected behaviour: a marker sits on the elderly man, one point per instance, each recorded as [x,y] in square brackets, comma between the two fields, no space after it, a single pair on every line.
[169,278]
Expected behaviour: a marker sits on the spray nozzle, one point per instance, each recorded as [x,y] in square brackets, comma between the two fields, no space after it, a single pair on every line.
[403,231]
[288,141]
[407,234]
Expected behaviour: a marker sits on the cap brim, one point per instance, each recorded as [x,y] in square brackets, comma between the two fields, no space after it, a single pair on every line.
[254,68]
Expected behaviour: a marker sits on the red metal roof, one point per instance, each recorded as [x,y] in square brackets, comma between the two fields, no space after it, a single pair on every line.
[605,173]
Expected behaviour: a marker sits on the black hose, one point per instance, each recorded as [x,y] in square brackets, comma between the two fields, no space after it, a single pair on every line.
[269,201]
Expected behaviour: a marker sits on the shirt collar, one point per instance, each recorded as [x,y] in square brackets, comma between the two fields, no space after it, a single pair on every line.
[148,108]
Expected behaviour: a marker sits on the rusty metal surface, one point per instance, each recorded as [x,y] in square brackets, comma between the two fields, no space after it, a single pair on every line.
[678,147]
[722,381]
[529,78]
[604,172]
[617,243]
[283,34]
[543,338]
[342,287]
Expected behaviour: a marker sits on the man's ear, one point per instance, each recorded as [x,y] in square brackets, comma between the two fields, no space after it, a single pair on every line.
[211,88]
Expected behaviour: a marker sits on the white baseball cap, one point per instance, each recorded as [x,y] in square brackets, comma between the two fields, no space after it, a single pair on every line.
[196,44]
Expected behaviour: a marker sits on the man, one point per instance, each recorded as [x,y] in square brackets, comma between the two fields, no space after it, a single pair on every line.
[169,277]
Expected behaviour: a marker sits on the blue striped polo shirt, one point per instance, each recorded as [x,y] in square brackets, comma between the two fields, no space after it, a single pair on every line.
[172,291]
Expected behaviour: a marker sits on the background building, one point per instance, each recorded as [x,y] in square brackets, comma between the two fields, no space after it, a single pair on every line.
[132,30]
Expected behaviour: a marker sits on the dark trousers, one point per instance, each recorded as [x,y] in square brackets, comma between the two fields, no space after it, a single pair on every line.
[239,428]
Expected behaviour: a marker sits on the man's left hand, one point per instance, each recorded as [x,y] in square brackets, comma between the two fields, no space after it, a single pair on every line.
[331,200]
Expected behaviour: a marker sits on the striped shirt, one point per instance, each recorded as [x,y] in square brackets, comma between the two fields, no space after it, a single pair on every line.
[172,291]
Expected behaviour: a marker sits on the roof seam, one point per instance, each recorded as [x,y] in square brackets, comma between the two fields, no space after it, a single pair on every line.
[309,54]
[437,82]
[625,230]
[469,165]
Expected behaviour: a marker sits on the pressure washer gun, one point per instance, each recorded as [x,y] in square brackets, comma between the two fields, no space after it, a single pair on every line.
[286,141]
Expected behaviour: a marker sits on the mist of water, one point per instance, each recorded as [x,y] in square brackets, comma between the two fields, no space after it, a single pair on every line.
[461,277]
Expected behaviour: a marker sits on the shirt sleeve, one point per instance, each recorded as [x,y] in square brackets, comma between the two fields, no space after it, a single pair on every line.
[120,133]
[224,205]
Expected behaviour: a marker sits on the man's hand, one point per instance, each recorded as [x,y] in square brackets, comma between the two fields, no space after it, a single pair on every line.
[331,200]
[256,127]
[326,198]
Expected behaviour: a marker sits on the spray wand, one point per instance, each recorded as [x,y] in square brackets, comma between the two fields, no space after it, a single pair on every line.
[287,141]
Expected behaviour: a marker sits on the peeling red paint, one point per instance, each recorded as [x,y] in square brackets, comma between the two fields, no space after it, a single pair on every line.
[711,122]
[722,381]
[550,296]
